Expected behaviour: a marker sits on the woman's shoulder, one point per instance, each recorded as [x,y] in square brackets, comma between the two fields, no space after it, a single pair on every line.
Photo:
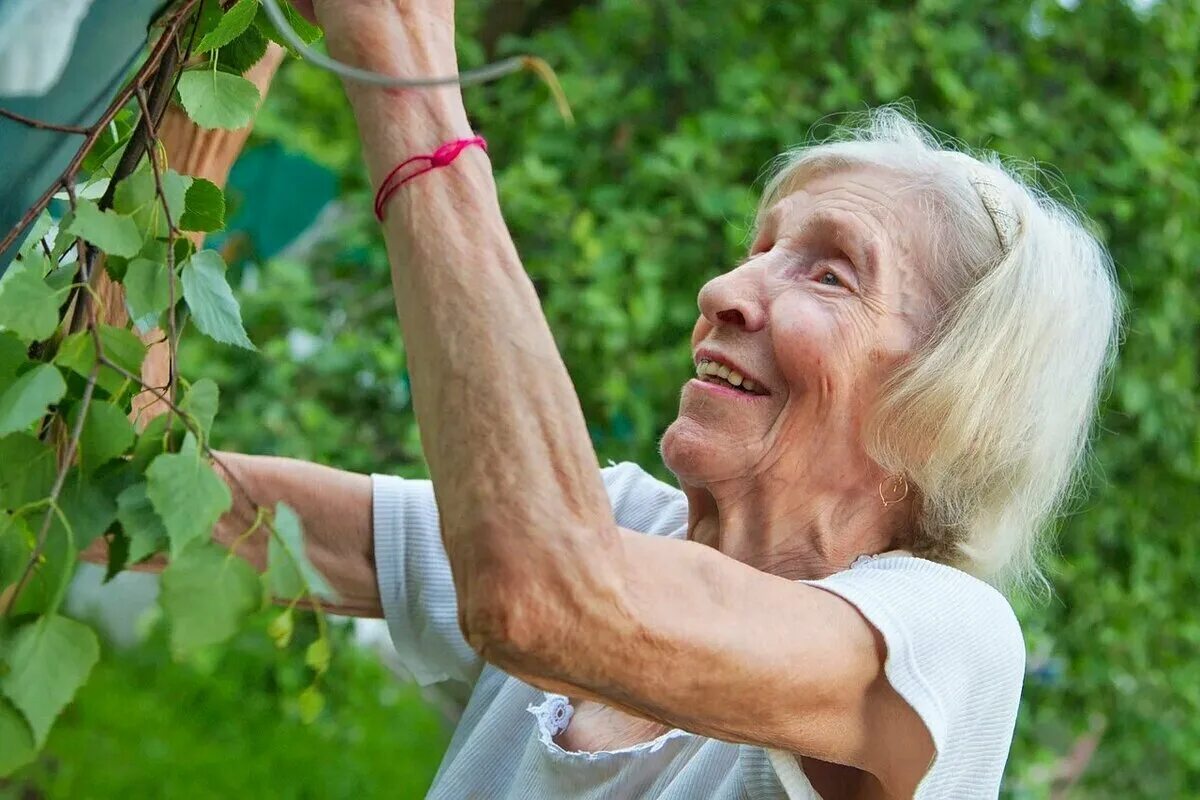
[936,610]
[939,594]
[955,653]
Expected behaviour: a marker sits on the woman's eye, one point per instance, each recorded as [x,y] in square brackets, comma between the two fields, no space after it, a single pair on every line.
[829,279]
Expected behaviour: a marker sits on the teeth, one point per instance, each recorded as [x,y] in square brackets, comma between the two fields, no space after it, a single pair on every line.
[733,377]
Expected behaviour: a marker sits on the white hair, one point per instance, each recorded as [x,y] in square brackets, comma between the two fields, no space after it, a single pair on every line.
[989,419]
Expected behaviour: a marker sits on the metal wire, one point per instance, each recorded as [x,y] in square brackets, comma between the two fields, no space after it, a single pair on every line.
[480,75]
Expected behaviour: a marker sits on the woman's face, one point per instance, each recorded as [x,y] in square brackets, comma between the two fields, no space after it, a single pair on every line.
[831,298]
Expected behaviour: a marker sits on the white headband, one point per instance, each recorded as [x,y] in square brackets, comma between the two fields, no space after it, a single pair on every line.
[1004,219]
[1003,215]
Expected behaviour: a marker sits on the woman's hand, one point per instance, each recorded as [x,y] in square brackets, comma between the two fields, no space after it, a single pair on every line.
[327,13]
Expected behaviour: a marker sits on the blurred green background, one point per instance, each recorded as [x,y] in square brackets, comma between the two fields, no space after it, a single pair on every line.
[620,219]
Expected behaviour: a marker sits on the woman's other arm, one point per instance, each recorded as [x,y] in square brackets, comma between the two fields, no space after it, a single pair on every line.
[334,507]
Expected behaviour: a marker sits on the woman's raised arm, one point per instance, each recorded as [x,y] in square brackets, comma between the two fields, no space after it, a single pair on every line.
[509,454]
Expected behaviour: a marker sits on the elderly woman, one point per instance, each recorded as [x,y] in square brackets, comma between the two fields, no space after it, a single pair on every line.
[890,395]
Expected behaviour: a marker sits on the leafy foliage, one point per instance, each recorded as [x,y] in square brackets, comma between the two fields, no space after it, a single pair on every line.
[73,465]
[620,220]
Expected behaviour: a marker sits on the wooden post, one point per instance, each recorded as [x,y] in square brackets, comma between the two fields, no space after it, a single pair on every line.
[191,150]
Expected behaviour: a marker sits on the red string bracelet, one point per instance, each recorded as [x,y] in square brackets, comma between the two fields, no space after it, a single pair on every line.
[445,154]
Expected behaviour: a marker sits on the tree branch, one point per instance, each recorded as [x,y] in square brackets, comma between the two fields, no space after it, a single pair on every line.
[152,63]
[42,125]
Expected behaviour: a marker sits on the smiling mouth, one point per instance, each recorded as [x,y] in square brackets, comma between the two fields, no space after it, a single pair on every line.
[712,372]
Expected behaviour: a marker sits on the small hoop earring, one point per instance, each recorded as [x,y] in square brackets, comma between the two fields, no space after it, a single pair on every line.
[899,484]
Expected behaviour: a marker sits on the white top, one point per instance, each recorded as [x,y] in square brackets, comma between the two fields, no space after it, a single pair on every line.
[955,654]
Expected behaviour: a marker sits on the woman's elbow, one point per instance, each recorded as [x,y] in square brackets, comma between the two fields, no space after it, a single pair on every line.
[522,612]
[503,622]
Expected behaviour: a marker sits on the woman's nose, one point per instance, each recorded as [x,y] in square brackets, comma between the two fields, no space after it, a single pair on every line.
[734,300]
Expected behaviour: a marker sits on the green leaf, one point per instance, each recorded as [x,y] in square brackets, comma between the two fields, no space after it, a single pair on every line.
[135,193]
[307,32]
[144,528]
[87,506]
[147,292]
[208,17]
[49,661]
[206,595]
[120,346]
[27,470]
[231,25]
[213,306]
[316,656]
[15,546]
[163,434]
[29,397]
[204,208]
[61,277]
[118,555]
[280,628]
[217,99]
[310,703]
[290,573]
[243,52]
[107,433]
[17,747]
[12,356]
[137,198]
[175,189]
[107,230]
[187,494]
[37,232]
[155,439]
[28,305]
[200,403]
[48,581]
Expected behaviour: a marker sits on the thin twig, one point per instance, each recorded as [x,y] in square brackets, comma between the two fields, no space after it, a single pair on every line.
[42,125]
[86,262]
[172,231]
[56,490]
[263,515]
[188,423]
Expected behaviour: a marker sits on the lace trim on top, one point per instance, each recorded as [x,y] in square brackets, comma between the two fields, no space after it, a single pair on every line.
[867,559]
[554,715]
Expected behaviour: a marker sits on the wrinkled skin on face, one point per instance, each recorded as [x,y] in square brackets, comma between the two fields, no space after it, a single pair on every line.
[832,298]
